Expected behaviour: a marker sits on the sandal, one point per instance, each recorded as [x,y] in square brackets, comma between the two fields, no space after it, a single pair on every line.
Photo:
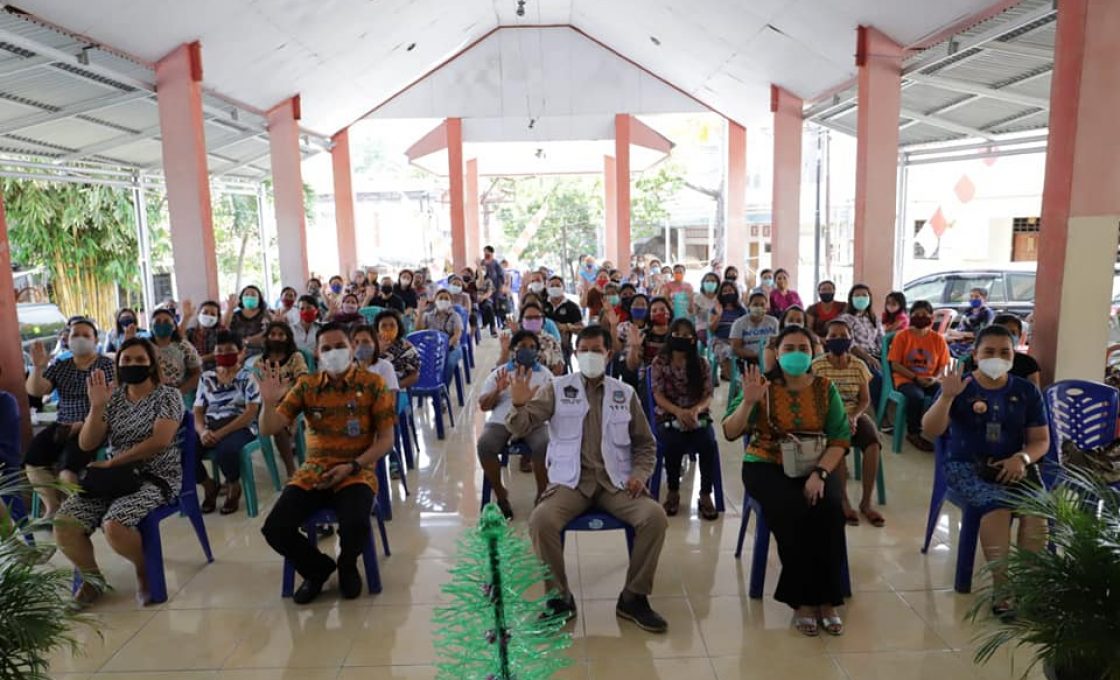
[87,594]
[873,516]
[233,499]
[851,517]
[210,496]
[833,625]
[806,625]
[706,508]
[672,503]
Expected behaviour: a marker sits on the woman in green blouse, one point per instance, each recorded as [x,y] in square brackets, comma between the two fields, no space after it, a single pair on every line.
[805,514]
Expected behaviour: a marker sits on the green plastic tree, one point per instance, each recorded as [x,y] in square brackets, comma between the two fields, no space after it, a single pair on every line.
[492,630]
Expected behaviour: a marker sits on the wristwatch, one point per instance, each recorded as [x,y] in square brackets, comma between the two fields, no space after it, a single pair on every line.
[355,467]
[1025,456]
[822,473]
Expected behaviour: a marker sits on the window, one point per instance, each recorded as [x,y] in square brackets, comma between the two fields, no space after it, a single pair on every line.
[1021,287]
[1021,225]
[930,290]
[959,288]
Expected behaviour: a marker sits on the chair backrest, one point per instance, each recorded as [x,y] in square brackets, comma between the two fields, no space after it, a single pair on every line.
[943,319]
[651,410]
[1111,355]
[309,359]
[432,346]
[1082,411]
[187,453]
[465,336]
[370,313]
[888,375]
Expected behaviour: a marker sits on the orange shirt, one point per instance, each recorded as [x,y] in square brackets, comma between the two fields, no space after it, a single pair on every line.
[924,355]
[341,421]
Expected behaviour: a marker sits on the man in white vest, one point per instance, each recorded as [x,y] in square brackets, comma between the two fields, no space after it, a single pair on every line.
[600,454]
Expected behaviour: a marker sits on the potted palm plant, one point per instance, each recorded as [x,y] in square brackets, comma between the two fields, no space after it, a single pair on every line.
[37,611]
[1066,599]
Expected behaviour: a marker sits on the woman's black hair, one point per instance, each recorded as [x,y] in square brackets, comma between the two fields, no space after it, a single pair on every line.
[707,276]
[851,309]
[730,268]
[225,337]
[390,314]
[285,289]
[775,374]
[627,285]
[262,306]
[993,331]
[693,370]
[762,296]
[792,308]
[661,300]
[1002,319]
[372,333]
[517,337]
[211,303]
[734,289]
[289,338]
[175,336]
[82,321]
[117,318]
[533,304]
[900,299]
[153,357]
[921,305]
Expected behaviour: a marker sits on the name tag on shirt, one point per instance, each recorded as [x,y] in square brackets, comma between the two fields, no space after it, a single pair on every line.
[353,427]
[992,432]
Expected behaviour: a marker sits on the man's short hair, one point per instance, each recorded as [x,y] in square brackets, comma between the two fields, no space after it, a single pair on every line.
[330,327]
[229,338]
[592,332]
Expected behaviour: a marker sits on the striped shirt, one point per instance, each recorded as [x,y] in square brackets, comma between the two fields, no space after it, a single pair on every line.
[221,402]
[848,380]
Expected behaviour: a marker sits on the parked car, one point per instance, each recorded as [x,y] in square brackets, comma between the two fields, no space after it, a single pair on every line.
[1010,288]
[38,322]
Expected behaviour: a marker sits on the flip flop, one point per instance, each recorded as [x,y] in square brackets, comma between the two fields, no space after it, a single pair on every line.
[873,516]
[833,625]
[806,625]
[851,517]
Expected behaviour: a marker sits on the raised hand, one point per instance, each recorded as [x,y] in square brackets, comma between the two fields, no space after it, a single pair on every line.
[954,381]
[503,379]
[521,391]
[130,331]
[187,309]
[754,384]
[39,356]
[271,386]
[232,301]
[635,337]
[503,341]
[98,389]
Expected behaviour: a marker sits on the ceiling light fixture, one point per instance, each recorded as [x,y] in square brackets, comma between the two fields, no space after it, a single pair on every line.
[520,8]
[83,56]
[532,122]
[653,39]
[411,46]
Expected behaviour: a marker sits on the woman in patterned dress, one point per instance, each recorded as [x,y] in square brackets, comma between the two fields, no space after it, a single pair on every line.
[179,363]
[140,420]
[400,352]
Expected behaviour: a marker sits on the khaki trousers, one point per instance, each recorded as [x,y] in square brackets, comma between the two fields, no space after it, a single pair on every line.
[560,505]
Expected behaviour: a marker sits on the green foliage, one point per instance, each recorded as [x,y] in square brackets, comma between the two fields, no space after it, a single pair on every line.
[37,612]
[569,211]
[491,631]
[652,190]
[1067,600]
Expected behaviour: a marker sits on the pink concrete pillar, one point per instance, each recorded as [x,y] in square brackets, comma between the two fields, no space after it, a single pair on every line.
[1080,202]
[11,354]
[470,211]
[183,139]
[622,190]
[287,189]
[344,203]
[736,205]
[785,230]
[879,60]
[456,188]
[610,209]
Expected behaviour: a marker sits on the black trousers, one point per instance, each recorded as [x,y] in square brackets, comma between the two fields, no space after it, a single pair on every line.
[810,539]
[352,505]
[486,308]
[916,404]
[676,444]
[228,454]
[54,447]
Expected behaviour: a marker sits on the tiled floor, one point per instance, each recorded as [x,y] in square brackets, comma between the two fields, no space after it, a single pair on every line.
[226,621]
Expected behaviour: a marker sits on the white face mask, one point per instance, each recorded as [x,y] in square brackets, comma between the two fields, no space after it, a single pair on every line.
[335,361]
[455,289]
[591,364]
[555,292]
[443,305]
[207,320]
[82,347]
[536,287]
[349,308]
[995,368]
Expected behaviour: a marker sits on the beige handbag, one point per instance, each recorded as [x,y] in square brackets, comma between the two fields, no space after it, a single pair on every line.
[801,451]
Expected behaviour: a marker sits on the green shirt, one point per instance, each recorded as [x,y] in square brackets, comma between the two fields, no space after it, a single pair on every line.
[819,408]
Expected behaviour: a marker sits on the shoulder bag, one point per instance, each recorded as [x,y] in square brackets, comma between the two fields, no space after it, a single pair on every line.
[801,451]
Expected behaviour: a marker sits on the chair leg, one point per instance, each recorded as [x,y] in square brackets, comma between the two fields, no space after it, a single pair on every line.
[396,456]
[249,482]
[383,489]
[758,559]
[450,410]
[881,481]
[717,484]
[655,480]
[373,573]
[459,383]
[268,452]
[437,404]
[194,514]
[153,560]
[384,534]
[743,529]
[966,550]
[935,502]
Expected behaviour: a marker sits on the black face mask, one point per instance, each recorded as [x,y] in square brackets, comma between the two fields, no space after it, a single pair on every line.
[728,298]
[386,290]
[275,346]
[134,375]
[827,297]
[681,344]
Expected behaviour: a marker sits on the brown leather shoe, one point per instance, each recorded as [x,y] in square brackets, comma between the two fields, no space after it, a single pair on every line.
[706,508]
[233,499]
[210,496]
[672,503]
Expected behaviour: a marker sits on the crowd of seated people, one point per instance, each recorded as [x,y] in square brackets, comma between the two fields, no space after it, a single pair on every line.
[568,390]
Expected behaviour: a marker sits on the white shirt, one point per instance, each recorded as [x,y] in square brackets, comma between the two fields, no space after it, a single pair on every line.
[384,368]
[541,378]
[306,339]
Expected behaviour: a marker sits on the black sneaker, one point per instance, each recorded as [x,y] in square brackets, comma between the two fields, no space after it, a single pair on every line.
[349,581]
[505,507]
[308,591]
[560,607]
[637,609]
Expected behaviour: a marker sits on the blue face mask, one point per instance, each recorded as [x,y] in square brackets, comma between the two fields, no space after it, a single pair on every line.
[975,303]
[638,313]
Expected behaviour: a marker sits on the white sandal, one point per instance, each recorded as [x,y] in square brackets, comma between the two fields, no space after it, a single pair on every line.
[833,625]
[806,625]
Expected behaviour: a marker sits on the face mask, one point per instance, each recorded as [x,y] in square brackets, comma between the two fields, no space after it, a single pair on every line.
[207,320]
[728,298]
[250,302]
[975,303]
[163,329]
[678,276]
[794,324]
[526,356]
[443,305]
[335,361]
[532,325]
[613,300]
[308,315]
[591,364]
[276,346]
[827,297]
[349,308]
[838,346]
[659,318]
[134,375]
[795,363]
[126,321]
[82,347]
[921,321]
[455,289]
[536,287]
[602,282]
[757,311]
[588,266]
[732,278]
[336,288]
[638,313]
[313,290]
[893,309]
[767,280]
[681,344]
[363,352]
[227,360]
[861,302]
[405,283]
[288,302]
[555,292]
[709,286]
[995,368]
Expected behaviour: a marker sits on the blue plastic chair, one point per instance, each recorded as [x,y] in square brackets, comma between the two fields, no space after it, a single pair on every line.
[1082,411]
[599,521]
[186,504]
[761,550]
[404,432]
[326,516]
[432,346]
[517,448]
[383,483]
[655,481]
[467,341]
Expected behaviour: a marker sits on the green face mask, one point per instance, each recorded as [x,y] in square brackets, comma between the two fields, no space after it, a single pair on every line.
[795,363]
[250,302]
[861,302]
